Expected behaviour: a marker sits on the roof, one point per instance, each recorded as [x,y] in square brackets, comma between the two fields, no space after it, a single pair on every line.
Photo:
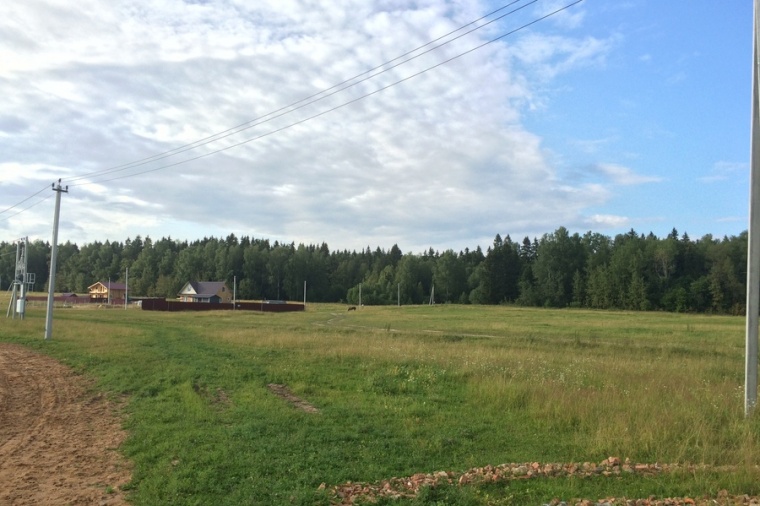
[206,288]
[110,285]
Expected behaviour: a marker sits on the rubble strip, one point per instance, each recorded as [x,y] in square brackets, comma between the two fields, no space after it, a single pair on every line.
[398,488]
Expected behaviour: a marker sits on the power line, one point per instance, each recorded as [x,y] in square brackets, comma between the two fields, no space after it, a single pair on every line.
[322,113]
[26,208]
[21,202]
[300,104]
[303,103]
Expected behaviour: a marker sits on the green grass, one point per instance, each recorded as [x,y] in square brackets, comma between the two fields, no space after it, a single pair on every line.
[412,389]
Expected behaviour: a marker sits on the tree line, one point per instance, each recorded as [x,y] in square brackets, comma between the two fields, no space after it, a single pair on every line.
[629,271]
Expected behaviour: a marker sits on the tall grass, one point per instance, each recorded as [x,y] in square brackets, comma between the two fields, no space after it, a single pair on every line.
[406,390]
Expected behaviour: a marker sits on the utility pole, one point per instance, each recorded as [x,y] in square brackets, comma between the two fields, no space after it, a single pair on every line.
[53,258]
[753,255]
[126,288]
[23,275]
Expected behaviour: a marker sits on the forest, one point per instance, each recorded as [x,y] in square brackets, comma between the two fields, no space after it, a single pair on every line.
[630,271]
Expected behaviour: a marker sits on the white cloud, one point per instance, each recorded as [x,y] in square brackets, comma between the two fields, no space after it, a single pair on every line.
[440,160]
[607,221]
[624,176]
[592,146]
[565,18]
[724,171]
[549,56]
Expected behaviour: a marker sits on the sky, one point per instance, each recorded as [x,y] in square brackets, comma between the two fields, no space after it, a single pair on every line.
[420,123]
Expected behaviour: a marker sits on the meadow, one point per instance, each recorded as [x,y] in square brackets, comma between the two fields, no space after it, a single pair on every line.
[413,389]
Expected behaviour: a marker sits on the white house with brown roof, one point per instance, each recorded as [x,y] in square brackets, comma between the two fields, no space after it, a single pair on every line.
[213,292]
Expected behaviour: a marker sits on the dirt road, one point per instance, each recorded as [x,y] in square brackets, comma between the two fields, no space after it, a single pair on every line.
[58,438]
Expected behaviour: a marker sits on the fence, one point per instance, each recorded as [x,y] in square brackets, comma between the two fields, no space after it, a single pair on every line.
[174,305]
[74,301]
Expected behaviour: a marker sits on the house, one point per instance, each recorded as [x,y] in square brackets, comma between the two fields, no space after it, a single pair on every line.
[214,292]
[107,291]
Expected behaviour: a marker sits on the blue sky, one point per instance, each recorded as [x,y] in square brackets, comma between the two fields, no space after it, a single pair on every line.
[671,104]
[607,116]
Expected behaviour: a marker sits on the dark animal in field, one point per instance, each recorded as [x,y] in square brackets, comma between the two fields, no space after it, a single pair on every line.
[352,308]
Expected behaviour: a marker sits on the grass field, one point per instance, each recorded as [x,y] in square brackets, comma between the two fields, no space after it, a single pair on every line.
[405,390]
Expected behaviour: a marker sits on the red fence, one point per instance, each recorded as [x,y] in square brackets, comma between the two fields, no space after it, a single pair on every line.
[71,300]
[174,305]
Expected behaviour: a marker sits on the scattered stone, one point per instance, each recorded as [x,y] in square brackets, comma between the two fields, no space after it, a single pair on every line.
[350,493]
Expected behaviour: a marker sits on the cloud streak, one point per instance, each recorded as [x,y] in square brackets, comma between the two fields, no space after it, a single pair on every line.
[441,160]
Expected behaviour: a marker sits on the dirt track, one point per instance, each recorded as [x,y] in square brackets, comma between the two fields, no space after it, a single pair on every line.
[58,439]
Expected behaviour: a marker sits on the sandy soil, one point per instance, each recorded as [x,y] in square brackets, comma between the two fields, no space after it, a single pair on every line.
[58,438]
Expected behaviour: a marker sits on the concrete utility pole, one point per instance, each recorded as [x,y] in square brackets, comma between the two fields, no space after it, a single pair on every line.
[753,255]
[53,258]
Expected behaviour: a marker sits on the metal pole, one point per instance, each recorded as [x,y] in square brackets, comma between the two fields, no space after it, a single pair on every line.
[753,254]
[234,292]
[12,305]
[53,258]
[24,265]
[304,292]
[14,298]
[126,288]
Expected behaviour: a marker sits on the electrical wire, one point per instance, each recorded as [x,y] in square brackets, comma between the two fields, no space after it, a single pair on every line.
[311,99]
[19,203]
[340,106]
[342,86]
[26,208]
